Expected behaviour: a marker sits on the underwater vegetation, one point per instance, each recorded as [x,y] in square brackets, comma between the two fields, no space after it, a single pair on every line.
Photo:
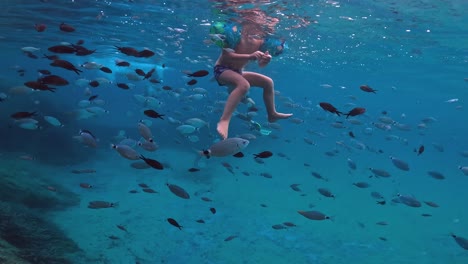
[26,234]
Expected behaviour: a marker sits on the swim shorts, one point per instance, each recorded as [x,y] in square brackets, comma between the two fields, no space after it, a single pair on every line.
[218,69]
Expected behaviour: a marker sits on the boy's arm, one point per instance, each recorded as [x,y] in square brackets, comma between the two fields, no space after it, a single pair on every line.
[231,54]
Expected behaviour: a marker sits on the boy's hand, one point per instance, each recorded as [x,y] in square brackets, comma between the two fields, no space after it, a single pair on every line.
[256,55]
[264,60]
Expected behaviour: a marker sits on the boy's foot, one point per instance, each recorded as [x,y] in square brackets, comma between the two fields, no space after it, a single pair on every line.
[274,117]
[223,127]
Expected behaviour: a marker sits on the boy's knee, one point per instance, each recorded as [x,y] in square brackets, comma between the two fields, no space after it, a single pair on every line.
[244,87]
[269,82]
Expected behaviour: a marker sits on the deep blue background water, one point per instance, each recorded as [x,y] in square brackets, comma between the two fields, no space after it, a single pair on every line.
[414,54]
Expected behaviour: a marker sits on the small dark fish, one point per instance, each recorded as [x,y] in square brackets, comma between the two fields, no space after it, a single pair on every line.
[266,175]
[193,169]
[149,74]
[140,72]
[278,226]
[121,227]
[192,82]
[100,204]
[326,192]
[148,190]
[263,154]
[409,200]
[289,224]
[201,221]
[65,65]
[314,215]
[86,185]
[426,215]
[146,53]
[21,115]
[356,111]
[318,176]
[206,199]
[295,187]
[436,175]
[381,202]
[153,163]
[238,155]
[123,86]
[376,195]
[229,238]
[94,83]
[66,28]
[53,80]
[143,185]
[361,184]
[179,191]
[40,27]
[383,238]
[367,88]
[431,204]
[112,237]
[461,241]
[122,64]
[133,191]
[382,223]
[153,114]
[400,164]
[105,69]
[213,210]
[174,223]
[351,134]
[45,72]
[127,51]
[380,173]
[60,49]
[330,108]
[92,97]
[420,150]
[200,73]
[166,88]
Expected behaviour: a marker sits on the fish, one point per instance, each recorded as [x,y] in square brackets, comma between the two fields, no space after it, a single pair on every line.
[128,51]
[193,169]
[330,108]
[326,192]
[213,210]
[123,86]
[408,200]
[174,223]
[314,215]
[461,241]
[464,169]
[152,162]
[362,185]
[367,88]
[126,151]
[380,172]
[39,86]
[400,164]
[83,171]
[263,154]
[40,27]
[23,114]
[179,191]
[145,132]
[53,80]
[60,49]
[86,185]
[420,150]
[65,65]
[101,204]
[226,147]
[356,111]
[153,114]
[436,175]
[105,69]
[66,28]
[192,82]
[200,73]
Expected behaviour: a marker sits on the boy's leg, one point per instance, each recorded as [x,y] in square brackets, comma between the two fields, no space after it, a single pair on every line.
[241,87]
[265,82]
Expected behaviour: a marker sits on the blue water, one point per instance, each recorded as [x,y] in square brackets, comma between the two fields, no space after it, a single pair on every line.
[414,54]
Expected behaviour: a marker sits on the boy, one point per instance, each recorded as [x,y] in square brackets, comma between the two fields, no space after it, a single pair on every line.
[229,72]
